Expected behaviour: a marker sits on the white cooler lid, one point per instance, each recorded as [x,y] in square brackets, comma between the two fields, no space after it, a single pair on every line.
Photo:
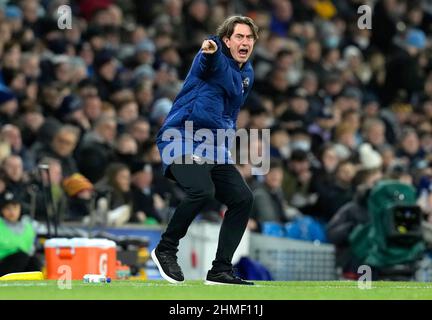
[79,242]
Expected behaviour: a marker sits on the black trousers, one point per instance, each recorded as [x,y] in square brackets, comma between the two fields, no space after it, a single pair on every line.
[202,182]
[19,262]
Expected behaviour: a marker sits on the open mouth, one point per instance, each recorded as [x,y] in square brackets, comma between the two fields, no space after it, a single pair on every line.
[243,52]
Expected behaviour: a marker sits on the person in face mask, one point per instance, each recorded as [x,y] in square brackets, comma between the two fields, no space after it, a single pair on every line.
[300,140]
[80,193]
[332,41]
[361,39]
[303,145]
[330,35]
[403,72]
[279,143]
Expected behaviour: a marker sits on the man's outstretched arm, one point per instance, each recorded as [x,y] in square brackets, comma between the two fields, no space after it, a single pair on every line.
[209,47]
[208,58]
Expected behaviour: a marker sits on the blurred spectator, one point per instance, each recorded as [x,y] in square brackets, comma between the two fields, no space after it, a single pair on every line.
[46,193]
[345,140]
[310,83]
[279,143]
[166,188]
[368,157]
[259,118]
[349,99]
[297,186]
[80,192]
[410,151]
[16,180]
[332,87]
[147,204]
[359,73]
[127,112]
[270,204]
[246,172]
[243,119]
[8,105]
[265,53]
[374,132]
[337,193]
[144,53]
[275,86]
[75,114]
[349,216]
[61,148]
[30,123]
[106,73]
[312,57]
[91,101]
[328,161]
[139,129]
[126,149]
[160,110]
[12,135]
[297,114]
[196,20]
[115,188]
[321,129]
[96,150]
[144,94]
[405,61]
[282,15]
[286,61]
[300,140]
[52,95]
[384,18]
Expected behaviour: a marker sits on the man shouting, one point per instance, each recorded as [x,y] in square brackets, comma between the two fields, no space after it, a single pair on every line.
[215,88]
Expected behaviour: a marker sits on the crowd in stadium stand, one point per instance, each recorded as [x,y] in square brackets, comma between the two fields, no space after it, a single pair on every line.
[347,106]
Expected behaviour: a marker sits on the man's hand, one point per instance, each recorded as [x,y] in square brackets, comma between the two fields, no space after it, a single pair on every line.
[209,47]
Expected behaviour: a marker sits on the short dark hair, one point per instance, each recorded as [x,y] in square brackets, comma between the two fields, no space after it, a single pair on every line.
[276,164]
[299,156]
[226,29]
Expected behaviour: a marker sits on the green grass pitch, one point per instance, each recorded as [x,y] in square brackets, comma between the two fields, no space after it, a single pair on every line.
[196,290]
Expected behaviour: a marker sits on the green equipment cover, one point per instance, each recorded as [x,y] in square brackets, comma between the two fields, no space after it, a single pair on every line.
[393,236]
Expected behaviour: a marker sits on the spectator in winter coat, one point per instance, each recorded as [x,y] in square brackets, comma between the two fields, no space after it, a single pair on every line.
[96,150]
[61,148]
[17,237]
[349,216]
[269,202]
[80,192]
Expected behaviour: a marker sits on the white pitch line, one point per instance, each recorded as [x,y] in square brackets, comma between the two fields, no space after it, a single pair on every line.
[23,284]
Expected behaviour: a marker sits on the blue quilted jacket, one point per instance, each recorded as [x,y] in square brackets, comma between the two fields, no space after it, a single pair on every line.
[212,94]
